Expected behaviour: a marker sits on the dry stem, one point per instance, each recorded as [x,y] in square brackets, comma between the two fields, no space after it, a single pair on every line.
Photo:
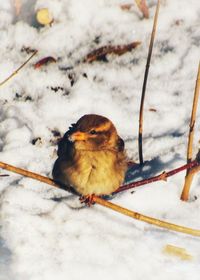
[145,83]
[189,176]
[27,173]
[18,69]
[105,203]
[146,219]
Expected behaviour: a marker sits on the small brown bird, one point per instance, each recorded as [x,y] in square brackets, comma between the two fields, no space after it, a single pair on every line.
[91,157]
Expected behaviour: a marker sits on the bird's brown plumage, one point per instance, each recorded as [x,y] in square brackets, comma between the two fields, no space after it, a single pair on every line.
[91,157]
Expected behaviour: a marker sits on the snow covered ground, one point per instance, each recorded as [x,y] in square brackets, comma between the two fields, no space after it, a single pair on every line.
[44,234]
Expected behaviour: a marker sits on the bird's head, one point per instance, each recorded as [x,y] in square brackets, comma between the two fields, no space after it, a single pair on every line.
[94,132]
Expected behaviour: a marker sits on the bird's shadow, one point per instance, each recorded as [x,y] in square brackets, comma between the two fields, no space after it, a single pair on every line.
[149,169]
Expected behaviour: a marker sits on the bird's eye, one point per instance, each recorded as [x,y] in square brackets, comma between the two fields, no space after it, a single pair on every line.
[93,131]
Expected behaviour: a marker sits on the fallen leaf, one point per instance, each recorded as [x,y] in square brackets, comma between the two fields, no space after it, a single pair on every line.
[177,252]
[44,61]
[100,53]
[126,6]
[152,110]
[44,17]
[143,7]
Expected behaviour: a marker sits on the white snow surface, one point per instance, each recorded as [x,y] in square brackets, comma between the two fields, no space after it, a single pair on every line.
[44,233]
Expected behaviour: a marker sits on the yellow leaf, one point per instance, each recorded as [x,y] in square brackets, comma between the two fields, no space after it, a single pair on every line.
[44,17]
[177,252]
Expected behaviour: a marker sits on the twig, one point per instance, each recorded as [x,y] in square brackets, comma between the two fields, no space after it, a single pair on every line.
[189,176]
[193,165]
[27,173]
[18,69]
[146,219]
[105,203]
[145,83]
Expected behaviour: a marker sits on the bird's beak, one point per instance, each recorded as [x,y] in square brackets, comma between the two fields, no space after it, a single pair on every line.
[78,136]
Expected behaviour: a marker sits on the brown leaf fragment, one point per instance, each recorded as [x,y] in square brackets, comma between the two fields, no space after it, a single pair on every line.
[126,7]
[143,7]
[152,110]
[100,53]
[44,61]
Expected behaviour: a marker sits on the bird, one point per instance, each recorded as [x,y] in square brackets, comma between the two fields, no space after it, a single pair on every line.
[91,158]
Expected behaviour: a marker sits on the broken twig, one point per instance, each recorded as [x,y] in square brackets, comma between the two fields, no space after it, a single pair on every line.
[145,83]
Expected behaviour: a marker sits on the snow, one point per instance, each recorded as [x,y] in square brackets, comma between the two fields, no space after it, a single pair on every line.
[45,234]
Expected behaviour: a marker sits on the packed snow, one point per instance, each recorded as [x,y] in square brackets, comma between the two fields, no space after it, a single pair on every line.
[44,232]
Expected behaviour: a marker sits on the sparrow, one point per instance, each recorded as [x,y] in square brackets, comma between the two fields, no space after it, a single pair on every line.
[91,158]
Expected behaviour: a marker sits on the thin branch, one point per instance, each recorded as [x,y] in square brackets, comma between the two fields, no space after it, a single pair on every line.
[18,69]
[193,165]
[146,219]
[145,83]
[105,203]
[29,174]
[189,176]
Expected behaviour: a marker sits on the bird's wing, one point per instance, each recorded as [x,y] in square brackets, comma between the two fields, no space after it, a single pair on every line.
[65,159]
[66,147]
[120,144]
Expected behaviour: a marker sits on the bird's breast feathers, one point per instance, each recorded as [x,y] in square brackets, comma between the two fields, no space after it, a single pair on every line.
[99,172]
